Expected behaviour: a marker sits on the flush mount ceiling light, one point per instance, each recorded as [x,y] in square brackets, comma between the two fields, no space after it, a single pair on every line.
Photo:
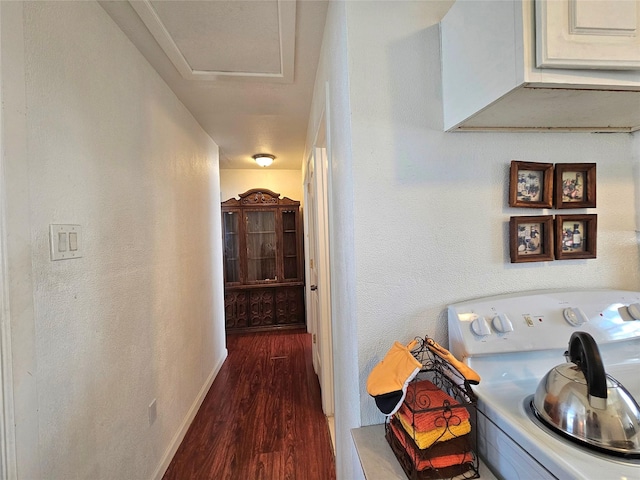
[264,159]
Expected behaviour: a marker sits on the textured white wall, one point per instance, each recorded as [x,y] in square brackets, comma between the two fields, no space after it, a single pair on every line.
[107,145]
[430,212]
[288,183]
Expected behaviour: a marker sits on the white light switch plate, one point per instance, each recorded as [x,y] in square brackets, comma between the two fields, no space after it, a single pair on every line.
[65,241]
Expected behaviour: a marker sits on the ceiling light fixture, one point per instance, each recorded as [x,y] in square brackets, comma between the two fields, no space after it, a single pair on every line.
[264,159]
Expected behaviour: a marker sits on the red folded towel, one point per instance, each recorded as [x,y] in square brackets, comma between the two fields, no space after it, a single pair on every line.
[455,445]
[423,462]
[424,395]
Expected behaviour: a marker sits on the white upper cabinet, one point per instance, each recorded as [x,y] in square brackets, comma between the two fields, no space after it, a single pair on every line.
[525,65]
[582,34]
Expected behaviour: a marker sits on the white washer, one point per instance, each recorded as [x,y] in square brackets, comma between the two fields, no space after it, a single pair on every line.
[512,341]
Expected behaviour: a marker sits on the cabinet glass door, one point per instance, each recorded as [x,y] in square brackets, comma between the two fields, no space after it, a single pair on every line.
[290,244]
[231,247]
[261,246]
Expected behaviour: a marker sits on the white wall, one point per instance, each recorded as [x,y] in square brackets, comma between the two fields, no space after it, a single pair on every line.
[93,136]
[288,183]
[430,211]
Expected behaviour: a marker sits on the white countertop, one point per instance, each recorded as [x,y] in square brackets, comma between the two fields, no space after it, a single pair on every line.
[377,459]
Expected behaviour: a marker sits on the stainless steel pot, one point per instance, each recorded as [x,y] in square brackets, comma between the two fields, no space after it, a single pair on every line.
[579,400]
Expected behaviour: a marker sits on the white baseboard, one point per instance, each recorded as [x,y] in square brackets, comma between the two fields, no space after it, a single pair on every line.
[186,423]
[331,422]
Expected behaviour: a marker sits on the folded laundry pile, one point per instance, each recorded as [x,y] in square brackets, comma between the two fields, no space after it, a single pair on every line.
[433,429]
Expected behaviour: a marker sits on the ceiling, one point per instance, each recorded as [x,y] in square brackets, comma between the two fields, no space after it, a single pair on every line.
[245,69]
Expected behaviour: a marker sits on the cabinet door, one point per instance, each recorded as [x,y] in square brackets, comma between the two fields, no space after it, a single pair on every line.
[290,306]
[583,34]
[261,310]
[261,241]
[291,258]
[235,309]
[231,234]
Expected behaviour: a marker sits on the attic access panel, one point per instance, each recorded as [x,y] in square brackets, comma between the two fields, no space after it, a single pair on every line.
[213,39]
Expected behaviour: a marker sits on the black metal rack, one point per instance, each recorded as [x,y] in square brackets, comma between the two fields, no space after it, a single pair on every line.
[448,411]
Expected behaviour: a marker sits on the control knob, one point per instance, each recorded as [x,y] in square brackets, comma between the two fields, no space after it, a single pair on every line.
[502,323]
[480,327]
[634,311]
[575,316]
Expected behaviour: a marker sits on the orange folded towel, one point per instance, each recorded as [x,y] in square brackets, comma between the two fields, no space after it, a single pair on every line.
[424,395]
[423,462]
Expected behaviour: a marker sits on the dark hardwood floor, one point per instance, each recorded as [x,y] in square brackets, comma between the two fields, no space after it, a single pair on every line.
[262,418]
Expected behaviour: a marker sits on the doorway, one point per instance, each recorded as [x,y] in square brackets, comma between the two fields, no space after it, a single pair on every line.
[318,290]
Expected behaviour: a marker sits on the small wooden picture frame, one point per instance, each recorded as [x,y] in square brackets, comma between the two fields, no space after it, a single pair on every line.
[531,185]
[531,238]
[575,185]
[576,236]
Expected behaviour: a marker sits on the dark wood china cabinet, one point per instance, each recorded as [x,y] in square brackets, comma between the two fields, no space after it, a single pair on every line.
[263,264]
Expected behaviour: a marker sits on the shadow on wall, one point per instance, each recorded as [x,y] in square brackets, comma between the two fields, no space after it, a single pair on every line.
[416,105]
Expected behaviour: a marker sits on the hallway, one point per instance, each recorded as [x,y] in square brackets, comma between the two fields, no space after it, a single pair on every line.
[262,417]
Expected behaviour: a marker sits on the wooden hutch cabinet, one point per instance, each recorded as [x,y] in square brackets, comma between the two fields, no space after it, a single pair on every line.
[263,262]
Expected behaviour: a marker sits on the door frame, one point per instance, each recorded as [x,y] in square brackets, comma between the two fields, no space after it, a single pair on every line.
[310,252]
[316,177]
[8,467]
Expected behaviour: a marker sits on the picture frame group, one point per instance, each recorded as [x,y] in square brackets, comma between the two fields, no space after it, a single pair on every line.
[544,238]
[545,185]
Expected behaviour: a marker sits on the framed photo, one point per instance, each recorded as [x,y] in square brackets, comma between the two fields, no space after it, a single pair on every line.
[575,185]
[531,185]
[576,236]
[531,239]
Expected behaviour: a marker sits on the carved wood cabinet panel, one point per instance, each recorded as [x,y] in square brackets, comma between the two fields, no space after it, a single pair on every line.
[261,311]
[263,262]
[289,305]
[235,309]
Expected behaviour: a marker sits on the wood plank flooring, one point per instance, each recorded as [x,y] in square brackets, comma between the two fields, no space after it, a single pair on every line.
[262,418]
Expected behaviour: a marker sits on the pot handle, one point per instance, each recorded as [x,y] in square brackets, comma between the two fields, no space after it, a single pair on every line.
[583,351]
